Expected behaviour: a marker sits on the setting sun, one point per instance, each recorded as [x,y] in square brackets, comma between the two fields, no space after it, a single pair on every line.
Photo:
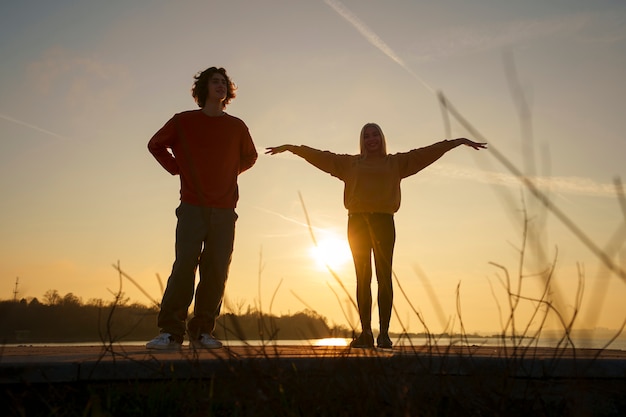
[331,251]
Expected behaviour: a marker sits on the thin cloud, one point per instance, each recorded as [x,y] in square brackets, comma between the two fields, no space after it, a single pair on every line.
[84,83]
[603,28]
[462,40]
[559,185]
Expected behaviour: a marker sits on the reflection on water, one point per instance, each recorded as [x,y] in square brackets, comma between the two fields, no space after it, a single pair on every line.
[331,341]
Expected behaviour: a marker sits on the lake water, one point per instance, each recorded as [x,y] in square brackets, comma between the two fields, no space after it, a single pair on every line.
[579,343]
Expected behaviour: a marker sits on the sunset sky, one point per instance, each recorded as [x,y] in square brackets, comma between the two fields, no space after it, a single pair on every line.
[84,85]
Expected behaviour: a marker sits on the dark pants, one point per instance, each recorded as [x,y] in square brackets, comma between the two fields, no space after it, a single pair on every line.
[373,233]
[204,238]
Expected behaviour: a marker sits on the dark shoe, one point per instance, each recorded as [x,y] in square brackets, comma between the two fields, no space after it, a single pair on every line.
[364,341]
[383,341]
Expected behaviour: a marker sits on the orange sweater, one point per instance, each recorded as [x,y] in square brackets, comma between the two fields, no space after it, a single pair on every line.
[373,185]
[208,153]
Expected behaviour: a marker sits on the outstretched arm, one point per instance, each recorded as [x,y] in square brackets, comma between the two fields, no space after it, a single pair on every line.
[273,150]
[326,161]
[418,159]
[470,143]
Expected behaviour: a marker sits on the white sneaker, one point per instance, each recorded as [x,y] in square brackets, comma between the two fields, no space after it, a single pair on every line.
[163,341]
[206,341]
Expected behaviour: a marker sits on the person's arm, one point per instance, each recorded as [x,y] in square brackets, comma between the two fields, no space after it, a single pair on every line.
[414,161]
[273,150]
[249,154]
[160,146]
[467,142]
[329,162]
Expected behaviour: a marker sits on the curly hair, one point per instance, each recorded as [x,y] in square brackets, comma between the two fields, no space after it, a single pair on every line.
[200,88]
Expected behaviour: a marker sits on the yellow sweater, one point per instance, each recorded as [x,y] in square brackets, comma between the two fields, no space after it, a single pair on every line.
[373,185]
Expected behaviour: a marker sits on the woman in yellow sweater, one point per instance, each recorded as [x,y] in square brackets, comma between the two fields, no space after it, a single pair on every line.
[372,196]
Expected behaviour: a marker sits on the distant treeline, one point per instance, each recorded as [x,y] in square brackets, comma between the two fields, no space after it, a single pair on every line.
[66,319]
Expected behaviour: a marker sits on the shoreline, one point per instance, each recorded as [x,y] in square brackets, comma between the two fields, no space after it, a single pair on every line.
[434,342]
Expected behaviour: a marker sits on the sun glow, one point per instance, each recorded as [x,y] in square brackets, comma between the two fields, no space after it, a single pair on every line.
[331,251]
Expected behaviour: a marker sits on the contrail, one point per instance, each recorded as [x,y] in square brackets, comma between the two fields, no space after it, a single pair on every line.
[37,128]
[292,220]
[374,39]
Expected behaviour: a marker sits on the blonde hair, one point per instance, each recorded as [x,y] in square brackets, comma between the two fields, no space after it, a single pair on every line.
[383,143]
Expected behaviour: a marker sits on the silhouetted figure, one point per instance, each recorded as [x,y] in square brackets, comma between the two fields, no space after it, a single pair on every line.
[372,196]
[208,149]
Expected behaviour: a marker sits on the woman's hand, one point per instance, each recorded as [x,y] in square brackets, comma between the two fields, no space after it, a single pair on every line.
[472,144]
[272,150]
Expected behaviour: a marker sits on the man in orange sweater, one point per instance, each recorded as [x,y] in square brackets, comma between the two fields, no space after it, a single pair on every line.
[208,149]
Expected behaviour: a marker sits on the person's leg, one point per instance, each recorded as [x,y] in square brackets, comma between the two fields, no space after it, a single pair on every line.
[214,265]
[360,245]
[384,237]
[190,233]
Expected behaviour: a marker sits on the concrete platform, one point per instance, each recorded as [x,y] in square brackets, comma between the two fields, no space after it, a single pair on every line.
[51,364]
[303,380]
